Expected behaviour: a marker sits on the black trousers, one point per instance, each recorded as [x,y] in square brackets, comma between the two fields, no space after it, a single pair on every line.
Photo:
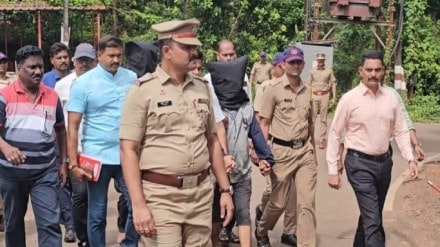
[79,208]
[370,181]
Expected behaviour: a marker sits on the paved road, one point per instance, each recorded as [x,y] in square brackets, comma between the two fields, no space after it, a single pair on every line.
[336,210]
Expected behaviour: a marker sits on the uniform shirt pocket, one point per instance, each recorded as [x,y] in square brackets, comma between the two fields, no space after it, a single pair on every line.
[165,114]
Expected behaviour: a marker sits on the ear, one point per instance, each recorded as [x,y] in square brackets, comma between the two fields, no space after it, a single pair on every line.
[360,69]
[166,51]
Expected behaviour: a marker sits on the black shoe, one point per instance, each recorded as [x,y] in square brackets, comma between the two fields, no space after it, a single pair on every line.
[83,244]
[262,241]
[69,237]
[258,214]
[288,239]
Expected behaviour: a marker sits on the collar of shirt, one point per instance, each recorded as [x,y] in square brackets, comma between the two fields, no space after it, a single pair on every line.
[20,90]
[107,74]
[164,77]
[286,83]
[365,90]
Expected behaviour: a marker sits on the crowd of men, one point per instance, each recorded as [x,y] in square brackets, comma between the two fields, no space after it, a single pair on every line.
[161,136]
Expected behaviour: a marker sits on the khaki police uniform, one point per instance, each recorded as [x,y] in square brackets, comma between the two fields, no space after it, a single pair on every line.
[321,81]
[290,114]
[260,72]
[171,121]
[9,77]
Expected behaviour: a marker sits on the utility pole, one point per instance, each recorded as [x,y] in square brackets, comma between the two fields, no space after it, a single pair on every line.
[66,34]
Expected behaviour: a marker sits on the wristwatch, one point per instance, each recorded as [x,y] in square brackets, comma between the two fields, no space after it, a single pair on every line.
[229,190]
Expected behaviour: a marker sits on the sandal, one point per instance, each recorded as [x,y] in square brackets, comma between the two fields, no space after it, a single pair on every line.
[223,235]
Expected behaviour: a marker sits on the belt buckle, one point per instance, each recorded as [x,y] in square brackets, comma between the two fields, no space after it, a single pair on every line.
[297,144]
[189,181]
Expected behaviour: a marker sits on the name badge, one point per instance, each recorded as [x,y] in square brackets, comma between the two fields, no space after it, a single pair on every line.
[164,103]
[288,100]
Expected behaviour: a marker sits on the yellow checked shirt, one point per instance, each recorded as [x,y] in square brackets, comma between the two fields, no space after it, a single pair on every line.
[321,79]
[289,111]
[170,121]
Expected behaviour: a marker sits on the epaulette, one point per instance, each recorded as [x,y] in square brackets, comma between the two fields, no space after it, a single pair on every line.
[276,82]
[200,78]
[145,78]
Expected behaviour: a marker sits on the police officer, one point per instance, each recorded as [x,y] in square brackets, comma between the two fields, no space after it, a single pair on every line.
[288,111]
[321,79]
[168,117]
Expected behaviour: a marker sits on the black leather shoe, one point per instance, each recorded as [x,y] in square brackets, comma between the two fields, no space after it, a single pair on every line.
[262,241]
[70,237]
[288,239]
[258,214]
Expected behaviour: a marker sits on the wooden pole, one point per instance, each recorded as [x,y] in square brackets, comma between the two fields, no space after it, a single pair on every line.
[39,29]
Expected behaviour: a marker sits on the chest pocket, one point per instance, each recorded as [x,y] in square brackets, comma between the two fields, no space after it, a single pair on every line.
[164,115]
[295,109]
[201,112]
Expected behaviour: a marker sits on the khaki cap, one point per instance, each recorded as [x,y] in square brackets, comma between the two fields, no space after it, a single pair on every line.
[320,56]
[182,31]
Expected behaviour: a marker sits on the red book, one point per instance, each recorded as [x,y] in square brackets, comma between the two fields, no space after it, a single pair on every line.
[90,165]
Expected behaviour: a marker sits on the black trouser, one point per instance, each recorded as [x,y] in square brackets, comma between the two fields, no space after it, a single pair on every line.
[370,180]
[79,208]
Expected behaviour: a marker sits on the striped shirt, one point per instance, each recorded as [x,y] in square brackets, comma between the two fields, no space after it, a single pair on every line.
[29,126]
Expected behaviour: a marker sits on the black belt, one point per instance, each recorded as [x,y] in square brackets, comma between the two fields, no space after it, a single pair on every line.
[380,157]
[291,144]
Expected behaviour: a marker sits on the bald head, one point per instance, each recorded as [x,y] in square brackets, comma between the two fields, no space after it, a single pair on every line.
[225,50]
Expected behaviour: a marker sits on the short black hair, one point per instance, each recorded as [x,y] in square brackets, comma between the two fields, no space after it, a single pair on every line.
[372,54]
[110,41]
[200,55]
[57,48]
[28,51]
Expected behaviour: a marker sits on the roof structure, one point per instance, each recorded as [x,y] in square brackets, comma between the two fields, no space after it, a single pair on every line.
[43,6]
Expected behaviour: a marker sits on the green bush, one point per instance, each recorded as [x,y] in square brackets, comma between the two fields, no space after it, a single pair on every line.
[424,108]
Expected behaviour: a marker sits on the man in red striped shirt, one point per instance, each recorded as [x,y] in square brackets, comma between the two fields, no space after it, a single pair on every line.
[30,114]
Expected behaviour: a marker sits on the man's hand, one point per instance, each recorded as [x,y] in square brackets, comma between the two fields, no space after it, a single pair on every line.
[253,155]
[340,166]
[143,221]
[63,174]
[229,161]
[413,169]
[226,208]
[419,152]
[334,181]
[79,174]
[264,167]
[13,155]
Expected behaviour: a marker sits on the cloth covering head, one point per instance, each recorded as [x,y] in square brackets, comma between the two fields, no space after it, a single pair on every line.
[181,31]
[228,81]
[142,57]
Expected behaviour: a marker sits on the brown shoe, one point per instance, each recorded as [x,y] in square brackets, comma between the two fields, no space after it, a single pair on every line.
[321,144]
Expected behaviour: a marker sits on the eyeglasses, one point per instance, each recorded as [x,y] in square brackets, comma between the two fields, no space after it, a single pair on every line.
[84,60]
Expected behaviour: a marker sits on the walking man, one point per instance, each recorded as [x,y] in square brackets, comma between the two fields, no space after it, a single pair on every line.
[169,142]
[59,58]
[321,79]
[30,114]
[369,115]
[287,110]
[97,97]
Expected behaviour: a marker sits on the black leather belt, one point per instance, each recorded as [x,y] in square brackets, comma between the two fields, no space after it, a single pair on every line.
[380,157]
[291,144]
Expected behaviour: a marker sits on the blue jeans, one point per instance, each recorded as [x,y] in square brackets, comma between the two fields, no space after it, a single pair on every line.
[65,195]
[97,210]
[45,203]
